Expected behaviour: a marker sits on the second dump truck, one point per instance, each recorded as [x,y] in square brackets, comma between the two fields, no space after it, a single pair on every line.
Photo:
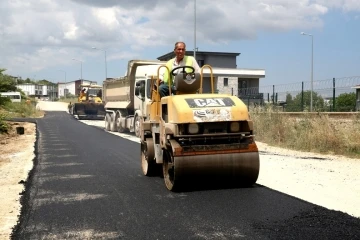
[126,97]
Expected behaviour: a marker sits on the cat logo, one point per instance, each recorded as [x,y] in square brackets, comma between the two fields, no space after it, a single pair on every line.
[210,102]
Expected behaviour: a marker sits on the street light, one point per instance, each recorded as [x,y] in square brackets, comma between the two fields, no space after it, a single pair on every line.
[105,60]
[195,29]
[65,83]
[80,67]
[312,68]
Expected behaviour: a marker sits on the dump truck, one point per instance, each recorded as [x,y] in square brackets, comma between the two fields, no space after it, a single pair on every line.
[90,104]
[191,135]
[126,97]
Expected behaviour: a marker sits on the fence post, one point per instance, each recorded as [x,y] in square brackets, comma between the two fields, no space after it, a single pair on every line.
[333,94]
[273,94]
[302,96]
[268,97]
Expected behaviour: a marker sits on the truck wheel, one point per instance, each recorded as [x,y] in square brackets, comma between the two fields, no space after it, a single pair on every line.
[113,124]
[120,129]
[107,122]
[137,126]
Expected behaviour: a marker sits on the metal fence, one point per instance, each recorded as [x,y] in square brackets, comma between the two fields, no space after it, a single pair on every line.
[296,96]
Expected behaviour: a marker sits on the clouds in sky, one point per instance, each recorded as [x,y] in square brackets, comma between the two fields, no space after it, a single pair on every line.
[37,34]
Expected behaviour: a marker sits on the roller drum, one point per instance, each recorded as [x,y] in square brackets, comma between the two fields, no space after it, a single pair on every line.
[240,168]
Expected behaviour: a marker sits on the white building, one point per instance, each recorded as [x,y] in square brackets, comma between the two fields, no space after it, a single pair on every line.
[33,89]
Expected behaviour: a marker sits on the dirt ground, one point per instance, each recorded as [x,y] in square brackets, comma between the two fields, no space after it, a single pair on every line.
[17,153]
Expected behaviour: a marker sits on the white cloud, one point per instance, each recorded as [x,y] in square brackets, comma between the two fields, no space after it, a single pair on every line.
[345,5]
[42,33]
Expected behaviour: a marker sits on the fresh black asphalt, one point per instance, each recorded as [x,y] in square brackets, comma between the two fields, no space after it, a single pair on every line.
[87,184]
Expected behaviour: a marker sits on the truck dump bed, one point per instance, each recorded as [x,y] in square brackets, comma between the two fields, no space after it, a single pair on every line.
[118,93]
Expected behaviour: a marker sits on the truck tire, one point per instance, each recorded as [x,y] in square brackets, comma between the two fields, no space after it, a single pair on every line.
[113,126]
[120,129]
[137,126]
[107,122]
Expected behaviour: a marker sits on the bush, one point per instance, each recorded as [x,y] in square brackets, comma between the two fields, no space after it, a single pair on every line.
[4,126]
[23,109]
[312,133]
[4,101]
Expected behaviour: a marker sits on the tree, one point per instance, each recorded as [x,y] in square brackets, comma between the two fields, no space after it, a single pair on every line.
[20,81]
[289,99]
[345,102]
[295,104]
[7,83]
[44,82]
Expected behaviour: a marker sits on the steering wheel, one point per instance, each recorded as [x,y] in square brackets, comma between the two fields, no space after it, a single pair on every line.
[183,67]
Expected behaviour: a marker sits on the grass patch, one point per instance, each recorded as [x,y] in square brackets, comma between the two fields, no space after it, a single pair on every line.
[310,133]
[68,100]
[17,110]
[21,110]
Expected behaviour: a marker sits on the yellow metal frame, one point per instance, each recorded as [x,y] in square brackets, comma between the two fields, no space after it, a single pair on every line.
[158,77]
[211,78]
[156,98]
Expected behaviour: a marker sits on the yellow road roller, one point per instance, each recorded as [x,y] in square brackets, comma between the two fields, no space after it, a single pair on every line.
[192,134]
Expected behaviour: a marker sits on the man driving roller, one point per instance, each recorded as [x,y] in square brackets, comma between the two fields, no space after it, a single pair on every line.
[179,60]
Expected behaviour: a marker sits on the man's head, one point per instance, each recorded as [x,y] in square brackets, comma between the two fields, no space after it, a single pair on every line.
[179,50]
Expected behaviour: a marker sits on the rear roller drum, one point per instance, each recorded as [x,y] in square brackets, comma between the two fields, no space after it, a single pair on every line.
[169,171]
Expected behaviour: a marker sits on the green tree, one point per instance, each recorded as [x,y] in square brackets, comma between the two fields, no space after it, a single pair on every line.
[20,81]
[289,98]
[295,104]
[345,102]
[7,83]
[44,82]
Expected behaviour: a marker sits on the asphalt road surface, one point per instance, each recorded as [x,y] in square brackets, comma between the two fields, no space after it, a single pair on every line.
[87,184]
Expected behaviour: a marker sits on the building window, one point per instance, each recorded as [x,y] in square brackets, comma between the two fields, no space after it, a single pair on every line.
[200,62]
[242,85]
[226,82]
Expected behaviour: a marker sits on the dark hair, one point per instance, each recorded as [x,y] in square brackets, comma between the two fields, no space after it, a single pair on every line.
[178,43]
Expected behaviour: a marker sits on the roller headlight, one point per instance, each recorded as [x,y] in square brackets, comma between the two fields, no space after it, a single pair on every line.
[235,127]
[193,128]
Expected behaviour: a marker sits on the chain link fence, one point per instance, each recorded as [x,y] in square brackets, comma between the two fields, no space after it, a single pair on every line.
[330,95]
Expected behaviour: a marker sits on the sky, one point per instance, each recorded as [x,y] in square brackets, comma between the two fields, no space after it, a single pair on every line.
[39,39]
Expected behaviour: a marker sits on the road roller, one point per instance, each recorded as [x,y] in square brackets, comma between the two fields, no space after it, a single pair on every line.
[190,134]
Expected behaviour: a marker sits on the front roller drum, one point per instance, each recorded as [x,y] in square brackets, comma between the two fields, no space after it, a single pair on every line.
[241,169]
